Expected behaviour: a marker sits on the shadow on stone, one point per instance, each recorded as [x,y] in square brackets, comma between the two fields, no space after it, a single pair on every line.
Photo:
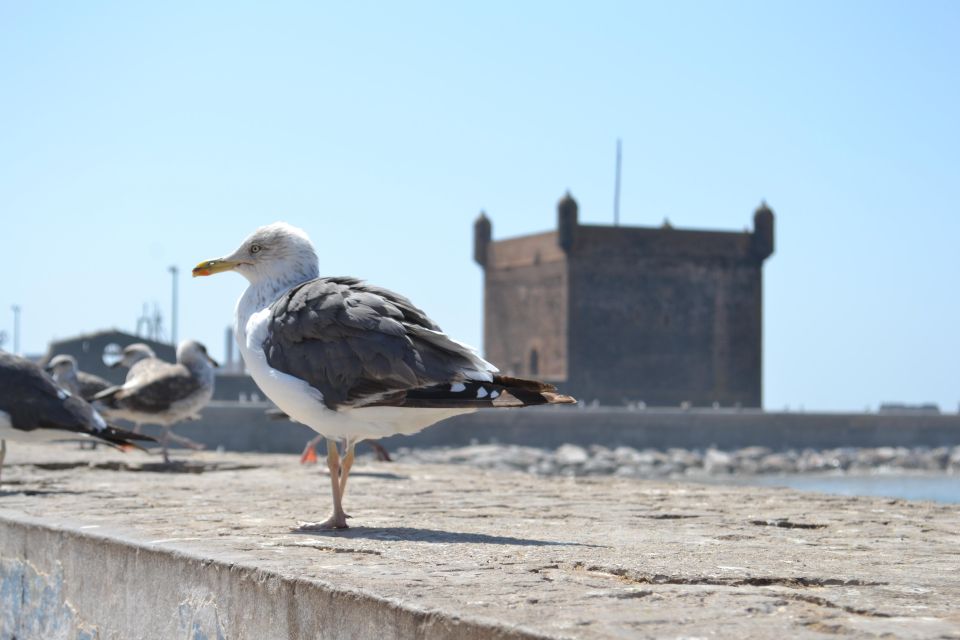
[434,536]
[380,475]
[175,466]
[37,492]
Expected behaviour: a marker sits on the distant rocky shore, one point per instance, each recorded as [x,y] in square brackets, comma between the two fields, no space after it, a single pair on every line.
[596,460]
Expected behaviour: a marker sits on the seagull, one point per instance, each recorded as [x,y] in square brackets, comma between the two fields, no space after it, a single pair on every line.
[350,360]
[133,354]
[139,359]
[34,409]
[158,392]
[63,369]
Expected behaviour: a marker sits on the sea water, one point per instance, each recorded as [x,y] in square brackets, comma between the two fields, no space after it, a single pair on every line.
[936,487]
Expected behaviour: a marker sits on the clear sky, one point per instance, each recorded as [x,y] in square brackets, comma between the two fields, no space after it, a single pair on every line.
[135,136]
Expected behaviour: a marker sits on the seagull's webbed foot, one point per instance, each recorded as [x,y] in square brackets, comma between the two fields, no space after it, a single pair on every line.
[335,521]
[309,455]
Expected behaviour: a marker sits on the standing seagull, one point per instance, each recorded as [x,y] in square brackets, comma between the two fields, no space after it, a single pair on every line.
[63,369]
[350,360]
[34,409]
[65,373]
[158,392]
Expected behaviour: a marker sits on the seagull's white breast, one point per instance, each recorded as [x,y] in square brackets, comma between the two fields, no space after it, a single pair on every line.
[303,403]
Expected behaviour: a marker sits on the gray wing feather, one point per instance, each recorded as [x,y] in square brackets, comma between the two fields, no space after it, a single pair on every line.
[357,344]
[160,390]
[91,385]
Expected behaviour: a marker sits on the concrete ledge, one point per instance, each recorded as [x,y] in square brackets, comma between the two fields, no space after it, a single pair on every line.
[90,550]
[63,582]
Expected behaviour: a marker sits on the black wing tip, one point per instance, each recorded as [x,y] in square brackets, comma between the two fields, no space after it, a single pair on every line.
[524,383]
[120,436]
[502,392]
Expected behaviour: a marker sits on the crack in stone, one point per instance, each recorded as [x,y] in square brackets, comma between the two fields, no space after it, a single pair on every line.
[823,602]
[787,524]
[716,581]
[332,549]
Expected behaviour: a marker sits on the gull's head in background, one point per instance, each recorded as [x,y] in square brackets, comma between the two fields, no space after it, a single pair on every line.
[132,354]
[191,352]
[61,364]
[275,252]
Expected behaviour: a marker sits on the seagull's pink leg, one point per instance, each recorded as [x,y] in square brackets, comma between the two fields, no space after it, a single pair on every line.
[338,519]
[187,442]
[345,467]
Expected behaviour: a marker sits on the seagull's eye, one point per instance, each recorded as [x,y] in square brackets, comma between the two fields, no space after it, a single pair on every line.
[255,248]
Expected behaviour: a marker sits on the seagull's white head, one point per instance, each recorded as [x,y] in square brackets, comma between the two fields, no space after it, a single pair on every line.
[132,354]
[191,352]
[277,252]
[62,364]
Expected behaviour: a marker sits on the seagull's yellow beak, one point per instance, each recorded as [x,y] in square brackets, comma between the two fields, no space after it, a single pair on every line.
[211,267]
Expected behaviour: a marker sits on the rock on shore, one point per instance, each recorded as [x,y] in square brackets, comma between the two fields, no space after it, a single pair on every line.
[597,460]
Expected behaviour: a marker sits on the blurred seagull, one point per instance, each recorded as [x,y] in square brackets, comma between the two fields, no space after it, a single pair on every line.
[133,355]
[158,392]
[63,369]
[350,360]
[34,409]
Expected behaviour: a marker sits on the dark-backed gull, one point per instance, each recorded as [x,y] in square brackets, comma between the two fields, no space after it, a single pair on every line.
[350,360]
[162,393]
[63,369]
[34,409]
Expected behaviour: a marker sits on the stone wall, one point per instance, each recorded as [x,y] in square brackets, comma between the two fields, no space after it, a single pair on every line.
[664,317]
[525,302]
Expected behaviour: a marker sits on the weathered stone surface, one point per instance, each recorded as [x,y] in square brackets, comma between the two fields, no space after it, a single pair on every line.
[89,550]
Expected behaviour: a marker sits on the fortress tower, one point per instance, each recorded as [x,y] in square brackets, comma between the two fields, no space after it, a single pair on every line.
[621,314]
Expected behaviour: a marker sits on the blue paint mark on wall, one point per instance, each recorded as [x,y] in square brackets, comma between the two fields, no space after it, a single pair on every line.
[33,606]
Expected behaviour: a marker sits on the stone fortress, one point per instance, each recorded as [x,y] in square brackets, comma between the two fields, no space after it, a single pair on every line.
[618,314]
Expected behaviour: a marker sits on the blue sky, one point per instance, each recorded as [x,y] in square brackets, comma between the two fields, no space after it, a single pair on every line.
[134,136]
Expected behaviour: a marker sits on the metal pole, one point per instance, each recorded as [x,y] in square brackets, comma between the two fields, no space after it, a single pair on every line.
[173,311]
[616,190]
[16,329]
[229,350]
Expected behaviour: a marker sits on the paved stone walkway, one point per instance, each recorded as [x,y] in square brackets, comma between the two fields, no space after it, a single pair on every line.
[500,554]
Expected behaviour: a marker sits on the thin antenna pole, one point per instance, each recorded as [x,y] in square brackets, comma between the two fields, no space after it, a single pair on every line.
[173,308]
[616,189]
[16,329]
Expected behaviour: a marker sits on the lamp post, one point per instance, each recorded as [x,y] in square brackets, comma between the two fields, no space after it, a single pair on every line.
[173,310]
